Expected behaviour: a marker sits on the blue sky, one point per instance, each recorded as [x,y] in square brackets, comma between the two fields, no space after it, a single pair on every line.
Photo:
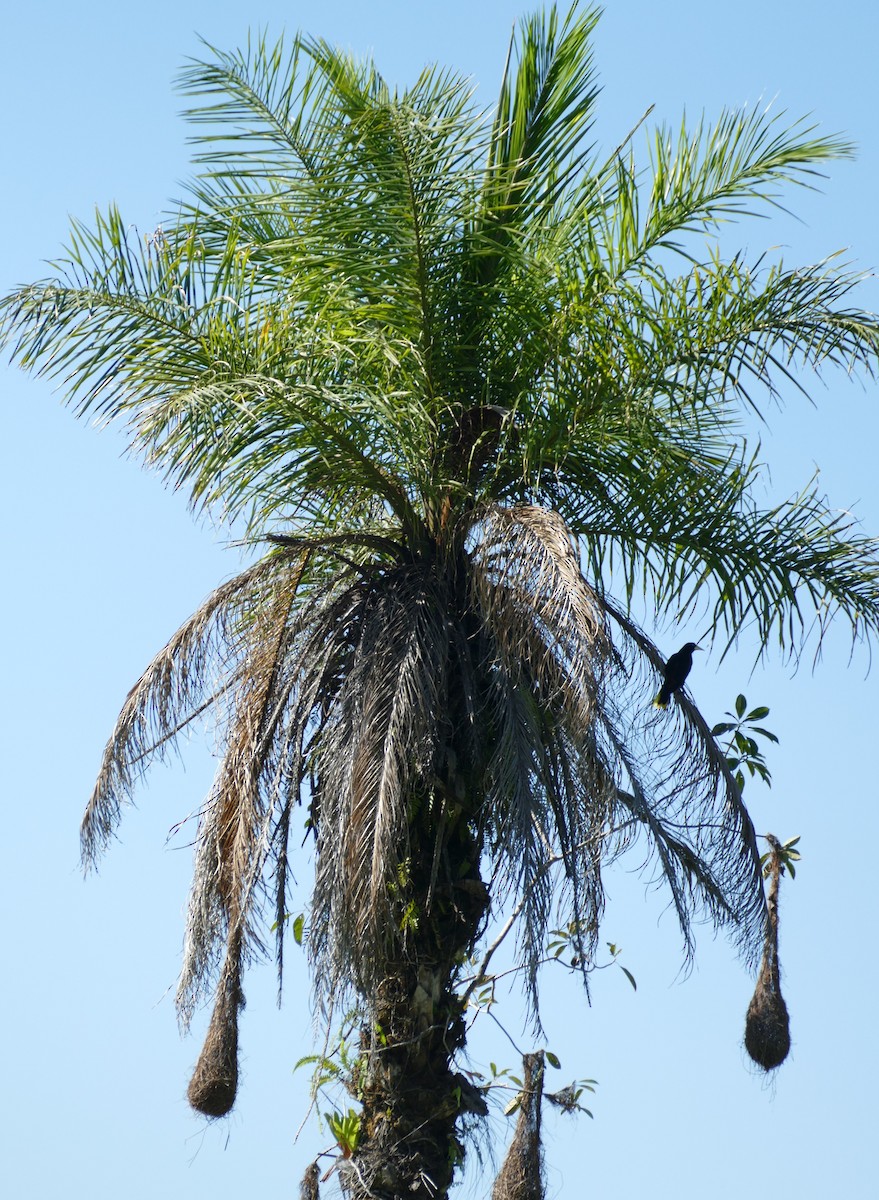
[102,565]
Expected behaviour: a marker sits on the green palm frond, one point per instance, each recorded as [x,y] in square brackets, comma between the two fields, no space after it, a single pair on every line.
[696,538]
[545,109]
[698,180]
[259,112]
[737,329]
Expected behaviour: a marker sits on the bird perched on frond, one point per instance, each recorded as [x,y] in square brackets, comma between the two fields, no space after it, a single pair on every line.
[676,671]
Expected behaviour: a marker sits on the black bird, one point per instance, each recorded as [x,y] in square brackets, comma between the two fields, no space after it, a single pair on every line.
[676,671]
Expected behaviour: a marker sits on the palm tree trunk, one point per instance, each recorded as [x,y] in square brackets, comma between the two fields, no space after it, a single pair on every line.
[414,1102]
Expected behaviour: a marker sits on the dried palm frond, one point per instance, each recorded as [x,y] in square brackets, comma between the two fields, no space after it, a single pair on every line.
[383,707]
[675,788]
[539,609]
[234,832]
[547,792]
[294,658]
[230,658]
[380,685]
[582,766]
[194,672]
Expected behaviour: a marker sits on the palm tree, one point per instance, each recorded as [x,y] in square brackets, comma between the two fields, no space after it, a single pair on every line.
[474,393]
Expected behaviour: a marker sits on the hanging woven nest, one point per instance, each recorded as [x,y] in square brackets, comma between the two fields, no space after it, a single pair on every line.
[214,1082]
[308,1188]
[521,1176]
[767,1025]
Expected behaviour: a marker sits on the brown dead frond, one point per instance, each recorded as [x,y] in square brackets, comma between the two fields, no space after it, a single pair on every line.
[584,767]
[540,610]
[382,707]
[676,793]
[230,657]
[494,687]
[235,830]
[193,673]
[548,792]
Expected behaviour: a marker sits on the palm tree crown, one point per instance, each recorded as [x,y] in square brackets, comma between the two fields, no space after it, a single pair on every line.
[475,391]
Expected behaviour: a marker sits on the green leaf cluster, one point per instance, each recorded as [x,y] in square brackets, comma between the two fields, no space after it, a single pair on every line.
[743,752]
[785,854]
